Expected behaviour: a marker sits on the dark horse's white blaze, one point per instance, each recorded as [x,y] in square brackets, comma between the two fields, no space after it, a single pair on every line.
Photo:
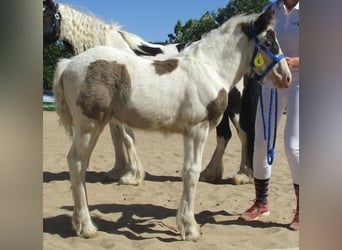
[185,94]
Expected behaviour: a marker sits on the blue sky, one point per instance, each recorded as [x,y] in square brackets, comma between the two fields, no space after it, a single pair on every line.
[152,20]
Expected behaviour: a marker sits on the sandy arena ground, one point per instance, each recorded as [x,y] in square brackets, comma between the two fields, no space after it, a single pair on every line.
[143,217]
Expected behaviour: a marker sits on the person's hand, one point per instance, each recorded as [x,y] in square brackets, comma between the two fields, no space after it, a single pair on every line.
[293,62]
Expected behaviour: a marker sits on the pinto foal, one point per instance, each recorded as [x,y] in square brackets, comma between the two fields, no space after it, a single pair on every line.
[186,94]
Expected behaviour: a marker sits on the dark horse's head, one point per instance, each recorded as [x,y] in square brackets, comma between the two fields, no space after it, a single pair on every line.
[51,22]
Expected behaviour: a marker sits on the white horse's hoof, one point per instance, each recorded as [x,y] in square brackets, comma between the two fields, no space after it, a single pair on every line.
[129,179]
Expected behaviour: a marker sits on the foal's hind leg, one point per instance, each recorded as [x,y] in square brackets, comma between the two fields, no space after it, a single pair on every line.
[78,161]
[214,170]
[120,165]
[127,168]
[134,173]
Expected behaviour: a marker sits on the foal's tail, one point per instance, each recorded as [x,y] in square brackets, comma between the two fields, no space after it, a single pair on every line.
[62,108]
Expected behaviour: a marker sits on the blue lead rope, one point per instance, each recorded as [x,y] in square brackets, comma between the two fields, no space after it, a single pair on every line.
[270,151]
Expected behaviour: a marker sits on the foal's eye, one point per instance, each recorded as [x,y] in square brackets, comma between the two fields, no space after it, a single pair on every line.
[269,43]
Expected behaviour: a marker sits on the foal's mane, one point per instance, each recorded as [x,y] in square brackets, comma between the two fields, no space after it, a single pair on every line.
[232,25]
[83,30]
[235,21]
[231,29]
[214,37]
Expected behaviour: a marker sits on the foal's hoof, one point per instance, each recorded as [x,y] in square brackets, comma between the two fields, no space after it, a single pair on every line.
[193,234]
[84,230]
[87,234]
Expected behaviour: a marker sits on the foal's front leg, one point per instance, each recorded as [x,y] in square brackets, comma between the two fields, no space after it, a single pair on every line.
[194,142]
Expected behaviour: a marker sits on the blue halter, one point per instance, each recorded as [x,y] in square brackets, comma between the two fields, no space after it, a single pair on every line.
[259,78]
[258,46]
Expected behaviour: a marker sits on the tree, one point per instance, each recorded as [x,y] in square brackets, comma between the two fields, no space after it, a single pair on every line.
[194,29]
[51,54]
[235,7]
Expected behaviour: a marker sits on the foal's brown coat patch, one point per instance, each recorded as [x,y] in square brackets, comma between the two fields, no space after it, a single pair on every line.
[167,66]
[104,82]
[216,107]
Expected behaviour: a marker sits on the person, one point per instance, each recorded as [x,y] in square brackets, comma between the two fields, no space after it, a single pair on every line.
[287,29]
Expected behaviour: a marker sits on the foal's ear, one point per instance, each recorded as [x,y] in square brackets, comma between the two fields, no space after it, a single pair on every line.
[261,24]
[264,20]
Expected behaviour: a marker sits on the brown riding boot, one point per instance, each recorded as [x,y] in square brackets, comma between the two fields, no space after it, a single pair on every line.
[295,222]
[260,206]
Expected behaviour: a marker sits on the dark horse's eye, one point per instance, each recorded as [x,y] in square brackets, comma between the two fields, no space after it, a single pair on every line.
[269,43]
